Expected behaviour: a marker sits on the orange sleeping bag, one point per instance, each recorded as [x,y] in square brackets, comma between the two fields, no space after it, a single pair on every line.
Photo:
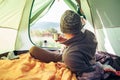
[28,68]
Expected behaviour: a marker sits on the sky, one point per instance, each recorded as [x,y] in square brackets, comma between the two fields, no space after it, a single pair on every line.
[55,12]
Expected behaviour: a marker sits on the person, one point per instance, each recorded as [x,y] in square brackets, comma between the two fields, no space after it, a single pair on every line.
[79,51]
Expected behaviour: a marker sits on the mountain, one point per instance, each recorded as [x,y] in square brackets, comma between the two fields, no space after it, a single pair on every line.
[45,25]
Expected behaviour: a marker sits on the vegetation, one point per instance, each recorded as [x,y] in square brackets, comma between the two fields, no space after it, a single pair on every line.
[39,36]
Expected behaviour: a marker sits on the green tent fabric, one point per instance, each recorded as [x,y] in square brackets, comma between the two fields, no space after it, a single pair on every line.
[40,8]
[107,24]
[17,16]
[11,16]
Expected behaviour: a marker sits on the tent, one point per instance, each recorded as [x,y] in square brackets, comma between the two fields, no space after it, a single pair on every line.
[23,23]
[17,16]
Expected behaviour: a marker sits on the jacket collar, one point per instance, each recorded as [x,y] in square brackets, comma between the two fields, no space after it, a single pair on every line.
[77,37]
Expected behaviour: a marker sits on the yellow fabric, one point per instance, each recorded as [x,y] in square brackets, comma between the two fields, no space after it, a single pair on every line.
[28,68]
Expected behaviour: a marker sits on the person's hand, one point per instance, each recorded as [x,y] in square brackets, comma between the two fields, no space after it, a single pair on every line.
[60,64]
[108,68]
[60,39]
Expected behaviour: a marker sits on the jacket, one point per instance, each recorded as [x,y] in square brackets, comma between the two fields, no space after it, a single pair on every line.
[79,54]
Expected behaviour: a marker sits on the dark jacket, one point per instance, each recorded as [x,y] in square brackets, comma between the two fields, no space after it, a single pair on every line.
[79,52]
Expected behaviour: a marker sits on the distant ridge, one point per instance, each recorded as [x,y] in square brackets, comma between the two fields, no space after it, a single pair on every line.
[45,25]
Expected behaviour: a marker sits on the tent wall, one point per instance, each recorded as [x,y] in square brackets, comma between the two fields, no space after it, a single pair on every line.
[87,11]
[105,15]
[7,39]
[11,13]
[23,41]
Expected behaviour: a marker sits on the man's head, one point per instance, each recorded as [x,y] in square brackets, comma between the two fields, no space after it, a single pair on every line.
[70,22]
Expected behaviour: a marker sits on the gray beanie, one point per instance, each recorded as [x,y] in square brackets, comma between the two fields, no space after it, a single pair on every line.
[70,22]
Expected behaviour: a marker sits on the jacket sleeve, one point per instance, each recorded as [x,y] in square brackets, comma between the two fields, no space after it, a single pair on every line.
[44,55]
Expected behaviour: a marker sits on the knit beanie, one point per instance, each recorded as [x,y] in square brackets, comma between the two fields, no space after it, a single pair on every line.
[70,22]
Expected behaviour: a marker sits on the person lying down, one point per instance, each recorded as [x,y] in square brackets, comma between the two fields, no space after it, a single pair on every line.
[78,54]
